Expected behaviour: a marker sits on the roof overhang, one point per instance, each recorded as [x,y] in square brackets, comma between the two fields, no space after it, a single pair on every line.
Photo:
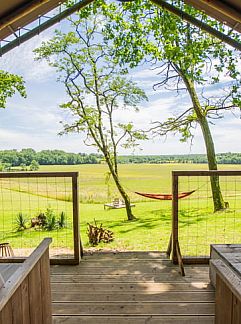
[15,15]
[226,11]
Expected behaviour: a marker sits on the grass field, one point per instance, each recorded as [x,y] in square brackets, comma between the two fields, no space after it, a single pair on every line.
[199,226]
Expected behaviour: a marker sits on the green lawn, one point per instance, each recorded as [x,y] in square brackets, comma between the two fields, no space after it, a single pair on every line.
[199,226]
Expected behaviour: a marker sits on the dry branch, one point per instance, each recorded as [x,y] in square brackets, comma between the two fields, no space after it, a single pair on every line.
[99,234]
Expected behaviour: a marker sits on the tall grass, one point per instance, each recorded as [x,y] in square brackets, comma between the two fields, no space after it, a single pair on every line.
[152,229]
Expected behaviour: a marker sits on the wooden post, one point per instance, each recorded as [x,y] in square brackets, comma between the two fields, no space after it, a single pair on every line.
[78,250]
[176,252]
[169,248]
[174,217]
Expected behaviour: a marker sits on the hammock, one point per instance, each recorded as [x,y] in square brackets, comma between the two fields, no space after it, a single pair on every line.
[164,196]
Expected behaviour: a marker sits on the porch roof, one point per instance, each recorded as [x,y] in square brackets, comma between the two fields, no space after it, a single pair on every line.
[15,14]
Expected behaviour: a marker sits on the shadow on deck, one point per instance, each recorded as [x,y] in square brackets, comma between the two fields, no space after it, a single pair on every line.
[131,287]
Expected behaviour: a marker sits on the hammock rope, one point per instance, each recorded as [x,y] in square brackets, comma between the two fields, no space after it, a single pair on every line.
[164,196]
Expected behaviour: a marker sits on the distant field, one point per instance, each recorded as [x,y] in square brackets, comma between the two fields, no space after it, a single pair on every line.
[199,226]
[135,177]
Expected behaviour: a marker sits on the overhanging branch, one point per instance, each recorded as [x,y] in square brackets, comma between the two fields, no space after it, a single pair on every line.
[178,12]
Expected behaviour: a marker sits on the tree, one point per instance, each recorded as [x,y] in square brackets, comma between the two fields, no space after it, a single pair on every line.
[27,155]
[9,85]
[97,90]
[185,59]
[34,166]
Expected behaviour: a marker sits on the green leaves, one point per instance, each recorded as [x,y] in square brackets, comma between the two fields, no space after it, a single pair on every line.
[9,85]
[95,84]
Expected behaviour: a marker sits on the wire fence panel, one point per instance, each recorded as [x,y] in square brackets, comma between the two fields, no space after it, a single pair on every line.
[198,225]
[35,205]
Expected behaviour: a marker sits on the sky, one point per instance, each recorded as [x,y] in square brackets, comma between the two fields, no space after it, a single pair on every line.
[35,122]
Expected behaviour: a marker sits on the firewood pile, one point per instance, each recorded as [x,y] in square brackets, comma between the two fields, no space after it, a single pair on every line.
[99,234]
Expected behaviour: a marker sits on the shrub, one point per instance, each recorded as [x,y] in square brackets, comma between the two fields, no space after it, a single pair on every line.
[50,223]
[21,222]
[62,220]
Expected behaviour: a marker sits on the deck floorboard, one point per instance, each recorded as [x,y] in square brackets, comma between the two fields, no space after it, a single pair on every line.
[131,287]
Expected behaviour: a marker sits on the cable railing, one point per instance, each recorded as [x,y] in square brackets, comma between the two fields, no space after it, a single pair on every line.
[34,205]
[196,220]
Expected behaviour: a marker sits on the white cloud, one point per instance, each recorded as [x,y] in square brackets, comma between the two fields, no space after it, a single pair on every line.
[34,122]
[21,60]
[143,74]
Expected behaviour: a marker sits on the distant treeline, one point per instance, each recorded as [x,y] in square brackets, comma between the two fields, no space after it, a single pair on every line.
[222,158]
[25,157]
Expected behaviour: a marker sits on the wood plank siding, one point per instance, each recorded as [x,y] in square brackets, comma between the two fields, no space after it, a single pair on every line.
[131,287]
[25,297]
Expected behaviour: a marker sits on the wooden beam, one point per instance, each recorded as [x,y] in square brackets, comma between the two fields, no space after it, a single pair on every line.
[43,26]
[22,11]
[49,174]
[223,8]
[183,15]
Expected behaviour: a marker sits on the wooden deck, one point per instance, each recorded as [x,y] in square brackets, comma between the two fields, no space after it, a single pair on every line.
[134,287]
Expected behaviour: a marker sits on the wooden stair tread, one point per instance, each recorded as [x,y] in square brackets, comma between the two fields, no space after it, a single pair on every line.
[135,308]
[134,319]
[169,296]
[131,288]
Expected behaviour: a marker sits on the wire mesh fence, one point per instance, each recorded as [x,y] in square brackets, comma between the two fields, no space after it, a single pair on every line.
[197,222]
[38,205]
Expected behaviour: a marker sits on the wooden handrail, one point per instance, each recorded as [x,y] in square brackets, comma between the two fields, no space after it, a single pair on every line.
[12,284]
[207,173]
[37,174]
[229,277]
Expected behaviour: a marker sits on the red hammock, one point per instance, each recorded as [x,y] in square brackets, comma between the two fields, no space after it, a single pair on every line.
[164,196]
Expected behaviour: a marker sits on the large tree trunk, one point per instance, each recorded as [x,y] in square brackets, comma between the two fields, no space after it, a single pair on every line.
[124,195]
[218,201]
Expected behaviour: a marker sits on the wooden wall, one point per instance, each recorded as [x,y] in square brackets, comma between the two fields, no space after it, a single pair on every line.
[228,294]
[26,295]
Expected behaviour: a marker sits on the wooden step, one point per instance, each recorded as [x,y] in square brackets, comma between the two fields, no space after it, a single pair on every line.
[127,287]
[134,267]
[126,278]
[132,308]
[131,288]
[133,319]
[143,255]
[166,296]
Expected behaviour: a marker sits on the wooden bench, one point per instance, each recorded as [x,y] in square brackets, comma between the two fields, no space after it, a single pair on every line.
[116,204]
[225,275]
[25,295]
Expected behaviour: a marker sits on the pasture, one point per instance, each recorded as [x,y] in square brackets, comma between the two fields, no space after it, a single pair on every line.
[199,226]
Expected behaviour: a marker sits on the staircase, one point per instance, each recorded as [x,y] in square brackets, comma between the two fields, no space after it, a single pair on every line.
[130,287]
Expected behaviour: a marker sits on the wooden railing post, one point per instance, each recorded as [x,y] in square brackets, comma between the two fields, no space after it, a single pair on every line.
[174,216]
[176,252]
[78,249]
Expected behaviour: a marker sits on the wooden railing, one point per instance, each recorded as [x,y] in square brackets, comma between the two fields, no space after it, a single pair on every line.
[228,294]
[73,176]
[174,247]
[26,295]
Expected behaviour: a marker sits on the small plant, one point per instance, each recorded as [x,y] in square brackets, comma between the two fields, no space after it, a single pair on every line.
[50,222]
[21,222]
[62,220]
